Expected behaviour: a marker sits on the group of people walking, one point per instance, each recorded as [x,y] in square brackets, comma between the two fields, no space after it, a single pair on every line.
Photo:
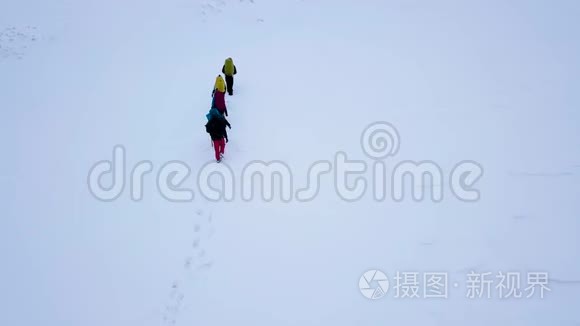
[216,118]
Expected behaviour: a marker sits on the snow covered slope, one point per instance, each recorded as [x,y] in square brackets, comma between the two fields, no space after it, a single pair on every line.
[493,82]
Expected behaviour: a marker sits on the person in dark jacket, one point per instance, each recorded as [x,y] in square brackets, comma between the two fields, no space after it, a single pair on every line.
[229,70]
[216,127]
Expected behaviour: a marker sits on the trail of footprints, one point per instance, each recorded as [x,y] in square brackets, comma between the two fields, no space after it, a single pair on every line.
[14,41]
[195,262]
[214,7]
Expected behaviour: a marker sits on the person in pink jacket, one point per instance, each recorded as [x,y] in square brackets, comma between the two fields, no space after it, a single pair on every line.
[219,96]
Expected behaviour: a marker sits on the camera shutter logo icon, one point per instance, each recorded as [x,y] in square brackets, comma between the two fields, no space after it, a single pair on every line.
[373,284]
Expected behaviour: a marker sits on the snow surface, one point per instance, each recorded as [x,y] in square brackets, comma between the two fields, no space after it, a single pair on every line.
[495,81]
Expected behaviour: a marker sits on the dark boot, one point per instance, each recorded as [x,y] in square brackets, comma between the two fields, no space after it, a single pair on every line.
[230,84]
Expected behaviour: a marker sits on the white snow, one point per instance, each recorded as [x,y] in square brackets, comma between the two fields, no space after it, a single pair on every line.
[495,82]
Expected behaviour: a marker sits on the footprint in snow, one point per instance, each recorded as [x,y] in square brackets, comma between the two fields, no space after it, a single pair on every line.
[196,261]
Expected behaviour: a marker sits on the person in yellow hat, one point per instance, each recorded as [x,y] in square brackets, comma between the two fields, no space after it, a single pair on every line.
[229,70]
[219,94]
[219,84]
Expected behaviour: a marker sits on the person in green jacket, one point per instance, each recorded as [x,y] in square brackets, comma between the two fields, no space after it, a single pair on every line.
[229,69]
